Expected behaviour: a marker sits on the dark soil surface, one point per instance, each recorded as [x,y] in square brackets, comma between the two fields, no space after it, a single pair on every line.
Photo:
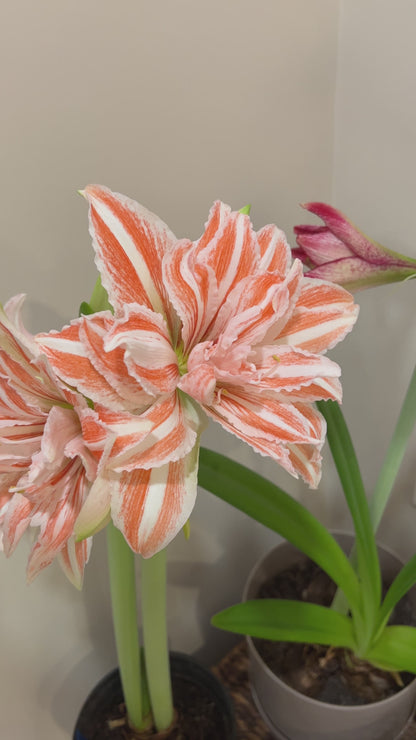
[199,715]
[332,675]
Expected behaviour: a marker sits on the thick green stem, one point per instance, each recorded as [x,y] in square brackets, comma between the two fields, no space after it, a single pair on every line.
[395,453]
[153,603]
[123,600]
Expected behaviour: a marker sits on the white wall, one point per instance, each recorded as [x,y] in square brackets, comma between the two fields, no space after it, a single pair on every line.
[374,183]
[175,104]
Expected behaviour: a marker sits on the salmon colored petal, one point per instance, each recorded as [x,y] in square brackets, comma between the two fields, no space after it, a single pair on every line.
[257,307]
[16,521]
[69,358]
[323,315]
[57,520]
[275,255]
[289,369]
[192,290]
[231,252]
[200,383]
[306,460]
[260,416]
[176,423]
[110,361]
[151,506]
[149,358]
[73,558]
[129,242]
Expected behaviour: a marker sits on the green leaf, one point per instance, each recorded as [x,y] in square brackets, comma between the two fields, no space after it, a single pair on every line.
[395,453]
[395,649]
[269,505]
[400,586]
[283,619]
[349,473]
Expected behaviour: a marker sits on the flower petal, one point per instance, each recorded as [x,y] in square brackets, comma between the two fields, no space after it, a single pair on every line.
[130,242]
[73,557]
[149,357]
[110,362]
[192,290]
[175,424]
[323,315]
[260,416]
[151,506]
[287,369]
[70,360]
[57,519]
[320,244]
[95,512]
[229,247]
[275,255]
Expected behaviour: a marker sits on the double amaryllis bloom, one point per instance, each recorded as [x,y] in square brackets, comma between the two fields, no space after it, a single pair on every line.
[225,325]
[45,466]
[339,252]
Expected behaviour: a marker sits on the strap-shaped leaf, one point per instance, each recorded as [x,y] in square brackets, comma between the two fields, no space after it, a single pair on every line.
[395,650]
[269,505]
[349,473]
[400,586]
[283,619]
[395,453]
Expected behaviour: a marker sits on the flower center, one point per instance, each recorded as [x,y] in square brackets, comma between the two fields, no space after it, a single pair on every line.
[182,359]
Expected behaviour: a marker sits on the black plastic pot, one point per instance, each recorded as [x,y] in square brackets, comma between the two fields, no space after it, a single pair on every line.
[190,682]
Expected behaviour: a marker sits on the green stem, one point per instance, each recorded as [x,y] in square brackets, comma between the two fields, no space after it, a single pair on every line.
[155,641]
[124,607]
[395,453]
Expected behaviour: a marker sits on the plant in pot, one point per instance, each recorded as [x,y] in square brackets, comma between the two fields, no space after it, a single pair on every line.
[343,638]
[101,421]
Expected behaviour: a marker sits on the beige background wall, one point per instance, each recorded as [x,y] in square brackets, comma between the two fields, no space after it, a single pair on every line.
[176,104]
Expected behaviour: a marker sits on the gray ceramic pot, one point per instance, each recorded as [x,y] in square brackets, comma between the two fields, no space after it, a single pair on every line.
[293,716]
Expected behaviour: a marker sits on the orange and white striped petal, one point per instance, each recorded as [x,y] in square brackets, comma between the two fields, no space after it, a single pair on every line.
[260,416]
[175,425]
[148,356]
[151,506]
[323,315]
[129,242]
[306,460]
[192,290]
[110,362]
[69,359]
[229,247]
[57,519]
[73,558]
[257,306]
[16,520]
[286,369]
[275,255]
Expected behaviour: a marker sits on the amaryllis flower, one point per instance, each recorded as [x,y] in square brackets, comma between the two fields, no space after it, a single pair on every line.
[339,252]
[225,325]
[45,467]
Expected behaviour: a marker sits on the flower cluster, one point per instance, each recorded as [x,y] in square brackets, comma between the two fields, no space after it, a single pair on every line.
[103,418]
